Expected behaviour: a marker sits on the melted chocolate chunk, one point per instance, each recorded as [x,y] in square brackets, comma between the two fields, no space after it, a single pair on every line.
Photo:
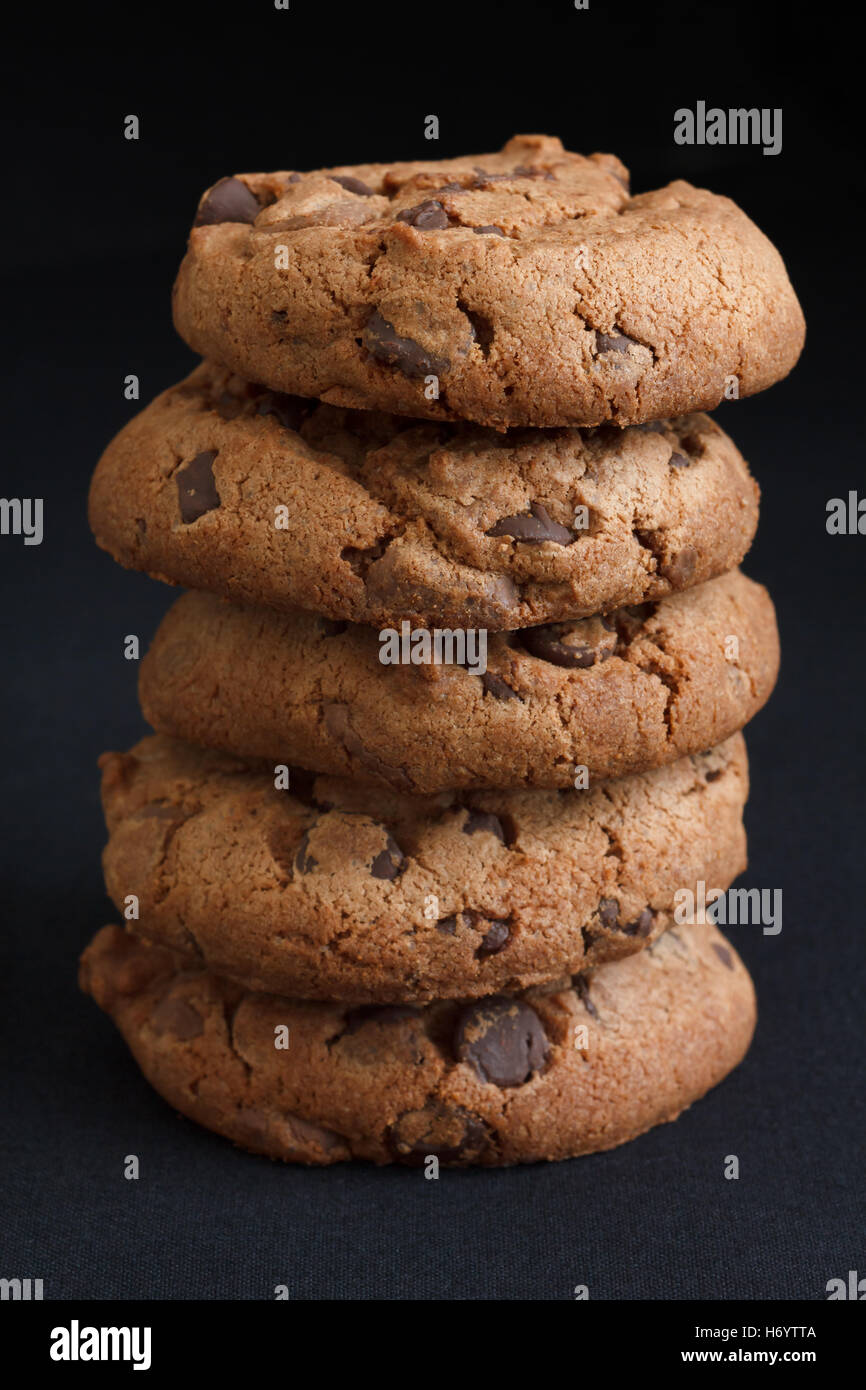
[533,527]
[383,342]
[495,939]
[502,1039]
[389,862]
[352,185]
[429,216]
[613,342]
[196,488]
[641,926]
[228,201]
[483,820]
[497,687]
[452,1135]
[678,570]
[576,645]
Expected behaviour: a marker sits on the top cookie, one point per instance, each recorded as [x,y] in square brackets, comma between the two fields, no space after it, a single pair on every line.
[520,288]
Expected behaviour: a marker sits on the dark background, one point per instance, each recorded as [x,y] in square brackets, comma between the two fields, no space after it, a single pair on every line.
[94,228]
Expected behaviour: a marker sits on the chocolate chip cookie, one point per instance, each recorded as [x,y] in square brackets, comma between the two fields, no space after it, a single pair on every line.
[566,1069]
[526,287]
[332,889]
[612,695]
[223,486]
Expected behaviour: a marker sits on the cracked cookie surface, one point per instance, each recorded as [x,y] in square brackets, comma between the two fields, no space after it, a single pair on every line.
[525,287]
[342,890]
[224,486]
[624,693]
[566,1069]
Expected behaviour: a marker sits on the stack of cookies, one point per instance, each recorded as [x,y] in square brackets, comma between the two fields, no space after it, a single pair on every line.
[448,727]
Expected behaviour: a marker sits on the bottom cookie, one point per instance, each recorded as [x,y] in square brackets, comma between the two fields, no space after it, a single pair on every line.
[562,1070]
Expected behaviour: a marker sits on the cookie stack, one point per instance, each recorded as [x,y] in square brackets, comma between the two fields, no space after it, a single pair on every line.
[448,727]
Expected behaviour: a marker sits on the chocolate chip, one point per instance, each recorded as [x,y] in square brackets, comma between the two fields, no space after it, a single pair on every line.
[332,627]
[723,954]
[174,1015]
[613,342]
[641,926]
[534,528]
[502,1039]
[581,989]
[427,217]
[141,525]
[450,1134]
[304,861]
[228,201]
[679,461]
[608,912]
[293,178]
[713,775]
[679,569]
[352,185]
[549,643]
[483,820]
[196,489]
[291,411]
[388,862]
[496,937]
[488,231]
[386,345]
[497,687]
[447,925]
